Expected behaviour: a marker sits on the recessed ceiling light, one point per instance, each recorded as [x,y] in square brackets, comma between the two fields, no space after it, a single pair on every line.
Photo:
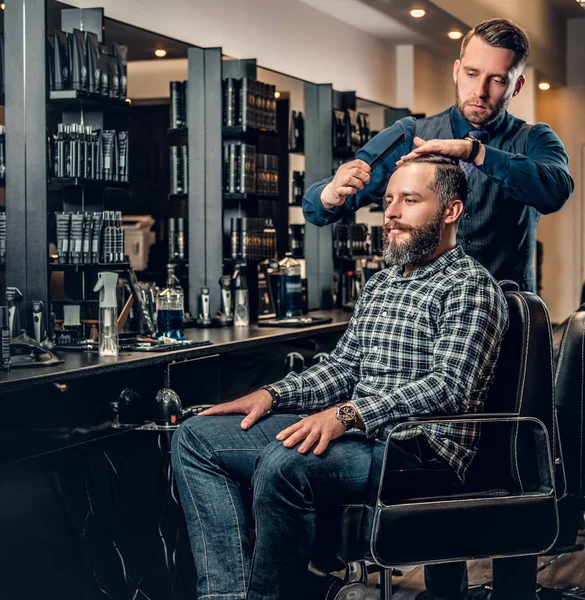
[544,85]
[160,52]
[277,94]
[417,13]
[455,35]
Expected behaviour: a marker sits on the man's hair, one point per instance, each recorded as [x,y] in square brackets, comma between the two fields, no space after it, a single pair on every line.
[501,33]
[449,182]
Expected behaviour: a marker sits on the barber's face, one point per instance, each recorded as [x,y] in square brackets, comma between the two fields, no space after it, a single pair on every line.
[414,217]
[485,82]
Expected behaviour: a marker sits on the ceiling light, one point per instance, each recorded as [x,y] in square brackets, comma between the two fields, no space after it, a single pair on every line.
[277,94]
[455,35]
[160,52]
[417,13]
[544,85]
[2,6]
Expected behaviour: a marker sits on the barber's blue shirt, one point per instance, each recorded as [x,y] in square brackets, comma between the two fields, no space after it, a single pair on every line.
[524,174]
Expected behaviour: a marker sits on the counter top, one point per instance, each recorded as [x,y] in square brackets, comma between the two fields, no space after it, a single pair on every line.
[83,364]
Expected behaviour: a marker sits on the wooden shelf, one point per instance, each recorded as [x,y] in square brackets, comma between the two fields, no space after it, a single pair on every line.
[78,100]
[61,182]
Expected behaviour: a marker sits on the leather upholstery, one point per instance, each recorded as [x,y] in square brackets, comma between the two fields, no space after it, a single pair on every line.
[515,511]
[570,392]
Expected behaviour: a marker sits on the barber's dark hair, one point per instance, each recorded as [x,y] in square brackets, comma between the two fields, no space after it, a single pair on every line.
[501,33]
[449,182]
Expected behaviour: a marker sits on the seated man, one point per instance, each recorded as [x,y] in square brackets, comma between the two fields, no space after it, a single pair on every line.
[424,339]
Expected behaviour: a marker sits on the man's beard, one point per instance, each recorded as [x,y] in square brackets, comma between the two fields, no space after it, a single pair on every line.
[423,241]
[493,114]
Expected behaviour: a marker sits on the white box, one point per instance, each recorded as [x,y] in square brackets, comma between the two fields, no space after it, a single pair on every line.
[138,239]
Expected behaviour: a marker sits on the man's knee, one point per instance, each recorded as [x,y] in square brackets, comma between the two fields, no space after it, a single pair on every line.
[279,471]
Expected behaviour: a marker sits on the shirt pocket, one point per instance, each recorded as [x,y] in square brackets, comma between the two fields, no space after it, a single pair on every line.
[402,342]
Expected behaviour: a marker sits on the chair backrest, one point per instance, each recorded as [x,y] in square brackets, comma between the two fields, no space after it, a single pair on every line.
[525,362]
[570,402]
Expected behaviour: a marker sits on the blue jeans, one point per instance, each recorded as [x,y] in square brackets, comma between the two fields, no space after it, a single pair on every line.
[215,462]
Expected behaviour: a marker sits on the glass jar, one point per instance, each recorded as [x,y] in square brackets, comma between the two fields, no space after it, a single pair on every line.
[290,303]
[170,308]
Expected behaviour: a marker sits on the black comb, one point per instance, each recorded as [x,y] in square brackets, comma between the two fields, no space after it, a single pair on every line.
[391,147]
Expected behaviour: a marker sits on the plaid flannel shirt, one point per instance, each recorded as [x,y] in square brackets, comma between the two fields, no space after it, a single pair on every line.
[420,344]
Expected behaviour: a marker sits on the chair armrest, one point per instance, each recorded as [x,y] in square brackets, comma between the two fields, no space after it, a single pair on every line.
[535,445]
[461,416]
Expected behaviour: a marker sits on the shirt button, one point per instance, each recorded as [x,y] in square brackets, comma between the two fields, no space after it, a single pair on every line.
[384,314]
[374,348]
[467,241]
[467,216]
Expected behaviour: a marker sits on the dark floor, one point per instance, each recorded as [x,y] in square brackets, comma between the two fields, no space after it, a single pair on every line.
[567,571]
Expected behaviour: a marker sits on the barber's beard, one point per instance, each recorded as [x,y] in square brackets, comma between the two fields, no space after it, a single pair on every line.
[422,242]
[493,114]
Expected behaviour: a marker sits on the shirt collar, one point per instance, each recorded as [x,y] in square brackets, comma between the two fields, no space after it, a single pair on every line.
[461,127]
[438,264]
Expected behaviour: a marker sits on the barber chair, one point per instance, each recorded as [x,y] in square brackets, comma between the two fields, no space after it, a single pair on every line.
[507,506]
[570,403]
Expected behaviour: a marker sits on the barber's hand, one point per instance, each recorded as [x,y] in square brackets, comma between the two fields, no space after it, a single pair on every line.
[455,149]
[254,405]
[318,429]
[349,178]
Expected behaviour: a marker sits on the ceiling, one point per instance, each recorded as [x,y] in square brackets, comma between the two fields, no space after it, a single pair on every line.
[390,20]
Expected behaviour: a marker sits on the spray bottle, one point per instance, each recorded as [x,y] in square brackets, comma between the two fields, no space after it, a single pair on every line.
[108,340]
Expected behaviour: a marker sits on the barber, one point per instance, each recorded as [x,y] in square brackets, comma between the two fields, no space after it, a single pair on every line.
[515,171]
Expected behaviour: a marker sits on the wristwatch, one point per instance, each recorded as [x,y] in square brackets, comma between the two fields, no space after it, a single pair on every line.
[347,414]
[475,147]
[275,396]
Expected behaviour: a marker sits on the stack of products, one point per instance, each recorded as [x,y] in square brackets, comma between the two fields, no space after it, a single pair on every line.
[239,162]
[350,240]
[351,130]
[377,240]
[298,188]
[2,154]
[296,138]
[179,170]
[79,62]
[78,151]
[178,104]
[2,75]
[296,240]
[176,239]
[252,239]
[249,104]
[90,238]
[266,175]
[2,238]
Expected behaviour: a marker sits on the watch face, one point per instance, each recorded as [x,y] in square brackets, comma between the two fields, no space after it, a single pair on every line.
[346,413]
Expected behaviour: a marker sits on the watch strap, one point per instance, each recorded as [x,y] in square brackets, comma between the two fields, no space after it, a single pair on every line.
[275,396]
[475,147]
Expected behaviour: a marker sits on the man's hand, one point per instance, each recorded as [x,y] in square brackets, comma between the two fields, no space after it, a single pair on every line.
[455,149]
[254,405]
[318,429]
[349,178]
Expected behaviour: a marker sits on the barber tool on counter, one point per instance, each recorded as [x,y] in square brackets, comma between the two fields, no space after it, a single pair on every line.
[204,319]
[108,329]
[13,298]
[225,315]
[241,298]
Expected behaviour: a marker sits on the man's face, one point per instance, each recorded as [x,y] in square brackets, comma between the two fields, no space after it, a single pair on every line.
[414,217]
[485,81]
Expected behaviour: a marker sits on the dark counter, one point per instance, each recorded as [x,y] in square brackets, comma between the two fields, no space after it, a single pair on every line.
[230,339]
